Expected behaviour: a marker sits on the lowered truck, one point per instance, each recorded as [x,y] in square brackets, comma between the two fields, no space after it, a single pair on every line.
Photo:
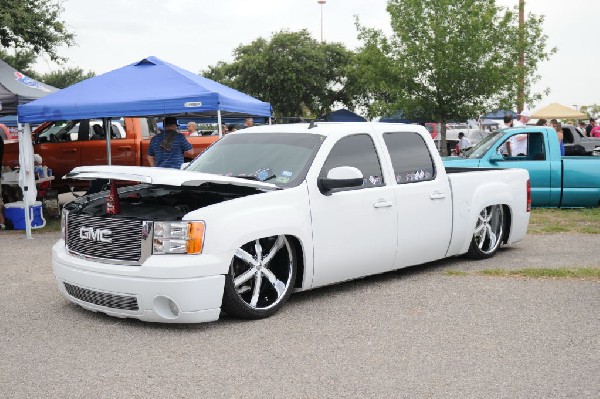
[273,210]
[64,145]
[556,181]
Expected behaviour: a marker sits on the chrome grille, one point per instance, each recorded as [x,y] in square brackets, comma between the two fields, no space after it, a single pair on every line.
[125,238]
[113,301]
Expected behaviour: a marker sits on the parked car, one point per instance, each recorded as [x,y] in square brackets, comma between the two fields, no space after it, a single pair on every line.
[577,143]
[563,182]
[6,133]
[276,209]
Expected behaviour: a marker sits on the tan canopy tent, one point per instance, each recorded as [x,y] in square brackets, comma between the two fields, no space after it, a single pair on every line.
[557,111]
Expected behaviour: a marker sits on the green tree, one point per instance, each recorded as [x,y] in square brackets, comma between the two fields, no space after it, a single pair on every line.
[446,60]
[295,73]
[21,60]
[592,110]
[33,25]
[65,77]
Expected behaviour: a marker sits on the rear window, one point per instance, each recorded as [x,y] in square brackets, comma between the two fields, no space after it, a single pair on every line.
[410,156]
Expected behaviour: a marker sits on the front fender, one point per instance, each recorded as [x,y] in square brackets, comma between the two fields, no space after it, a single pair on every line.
[231,224]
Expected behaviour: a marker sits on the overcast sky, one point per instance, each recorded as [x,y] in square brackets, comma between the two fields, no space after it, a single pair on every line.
[194,34]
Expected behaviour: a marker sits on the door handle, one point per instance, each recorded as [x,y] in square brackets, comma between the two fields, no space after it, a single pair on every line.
[382,204]
[437,195]
[70,150]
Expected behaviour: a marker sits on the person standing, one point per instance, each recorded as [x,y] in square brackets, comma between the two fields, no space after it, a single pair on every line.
[588,128]
[524,117]
[558,127]
[166,149]
[192,128]
[517,144]
[595,132]
[249,122]
[463,143]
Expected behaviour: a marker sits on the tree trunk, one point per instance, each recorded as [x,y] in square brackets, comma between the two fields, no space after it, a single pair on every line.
[443,145]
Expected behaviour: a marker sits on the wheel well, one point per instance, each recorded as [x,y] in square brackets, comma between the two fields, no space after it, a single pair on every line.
[507,223]
[300,261]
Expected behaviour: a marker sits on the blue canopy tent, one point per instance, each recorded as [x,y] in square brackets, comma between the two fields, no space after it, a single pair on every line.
[9,120]
[341,115]
[148,87]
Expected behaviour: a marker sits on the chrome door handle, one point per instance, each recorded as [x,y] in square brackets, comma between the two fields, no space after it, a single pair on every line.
[382,204]
[435,196]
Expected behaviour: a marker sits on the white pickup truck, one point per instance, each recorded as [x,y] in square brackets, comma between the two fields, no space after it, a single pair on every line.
[275,209]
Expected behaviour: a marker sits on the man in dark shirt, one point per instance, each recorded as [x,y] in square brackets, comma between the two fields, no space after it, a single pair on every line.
[166,149]
[589,127]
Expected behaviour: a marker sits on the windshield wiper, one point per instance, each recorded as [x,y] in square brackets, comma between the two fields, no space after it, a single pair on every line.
[254,177]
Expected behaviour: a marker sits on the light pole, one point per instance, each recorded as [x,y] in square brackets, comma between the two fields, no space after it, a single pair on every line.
[321,2]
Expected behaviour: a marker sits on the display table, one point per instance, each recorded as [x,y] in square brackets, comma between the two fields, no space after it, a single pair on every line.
[12,180]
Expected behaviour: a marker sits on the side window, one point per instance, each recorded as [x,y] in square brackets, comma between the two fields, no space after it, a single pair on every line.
[410,156]
[524,147]
[358,151]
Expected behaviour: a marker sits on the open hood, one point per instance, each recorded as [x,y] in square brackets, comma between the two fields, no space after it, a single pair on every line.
[164,176]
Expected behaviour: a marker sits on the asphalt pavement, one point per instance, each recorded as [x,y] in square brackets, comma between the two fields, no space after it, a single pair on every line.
[414,333]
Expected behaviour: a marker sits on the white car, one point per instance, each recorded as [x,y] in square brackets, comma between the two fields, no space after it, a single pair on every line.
[276,209]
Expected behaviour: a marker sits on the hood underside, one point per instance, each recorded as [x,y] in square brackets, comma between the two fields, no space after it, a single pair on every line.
[162,176]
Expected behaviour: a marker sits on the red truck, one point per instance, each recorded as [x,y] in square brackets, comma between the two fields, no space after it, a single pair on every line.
[66,144]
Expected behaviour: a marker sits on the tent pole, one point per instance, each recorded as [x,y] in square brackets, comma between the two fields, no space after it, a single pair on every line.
[22,132]
[219,123]
[107,128]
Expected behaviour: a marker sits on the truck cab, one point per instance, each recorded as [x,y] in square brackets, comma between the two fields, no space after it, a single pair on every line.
[556,181]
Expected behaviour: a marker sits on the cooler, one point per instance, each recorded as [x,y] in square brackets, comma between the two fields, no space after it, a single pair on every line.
[15,212]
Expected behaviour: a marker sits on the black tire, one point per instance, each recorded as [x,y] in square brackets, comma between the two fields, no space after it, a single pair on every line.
[258,285]
[488,234]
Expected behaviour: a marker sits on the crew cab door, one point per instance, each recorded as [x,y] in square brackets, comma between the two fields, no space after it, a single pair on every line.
[122,146]
[354,229]
[423,199]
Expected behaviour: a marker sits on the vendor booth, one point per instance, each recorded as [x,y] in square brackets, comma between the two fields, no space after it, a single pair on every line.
[18,89]
[149,87]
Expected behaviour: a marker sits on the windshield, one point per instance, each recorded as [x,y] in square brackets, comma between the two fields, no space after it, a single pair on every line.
[279,158]
[58,129]
[479,149]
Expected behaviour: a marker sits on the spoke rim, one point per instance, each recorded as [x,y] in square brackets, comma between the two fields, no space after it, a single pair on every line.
[262,282]
[489,229]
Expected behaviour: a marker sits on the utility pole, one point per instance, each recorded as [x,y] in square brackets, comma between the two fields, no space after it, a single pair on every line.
[521,61]
[321,2]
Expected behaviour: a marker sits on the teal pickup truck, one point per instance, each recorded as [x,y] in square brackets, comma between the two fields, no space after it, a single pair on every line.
[556,181]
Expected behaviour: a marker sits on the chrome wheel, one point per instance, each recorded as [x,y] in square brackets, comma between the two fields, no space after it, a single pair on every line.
[489,232]
[261,277]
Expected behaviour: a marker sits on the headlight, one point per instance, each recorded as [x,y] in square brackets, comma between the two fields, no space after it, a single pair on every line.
[178,238]
[63,224]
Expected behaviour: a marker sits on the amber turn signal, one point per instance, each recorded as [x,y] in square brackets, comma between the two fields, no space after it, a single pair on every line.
[195,240]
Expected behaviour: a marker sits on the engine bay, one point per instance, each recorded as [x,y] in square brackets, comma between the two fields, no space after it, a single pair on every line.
[158,202]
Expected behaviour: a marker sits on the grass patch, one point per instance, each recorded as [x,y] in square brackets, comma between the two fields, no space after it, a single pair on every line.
[549,221]
[586,273]
[455,273]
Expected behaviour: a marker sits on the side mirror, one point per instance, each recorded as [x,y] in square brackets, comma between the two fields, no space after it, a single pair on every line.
[495,157]
[340,177]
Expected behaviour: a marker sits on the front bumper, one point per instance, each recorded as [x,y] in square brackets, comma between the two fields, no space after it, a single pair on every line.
[166,288]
